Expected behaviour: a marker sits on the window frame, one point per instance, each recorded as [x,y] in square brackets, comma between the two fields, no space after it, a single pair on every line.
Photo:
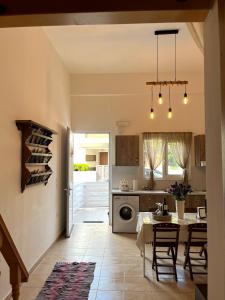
[165,175]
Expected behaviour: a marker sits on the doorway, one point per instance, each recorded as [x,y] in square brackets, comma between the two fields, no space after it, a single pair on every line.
[91,177]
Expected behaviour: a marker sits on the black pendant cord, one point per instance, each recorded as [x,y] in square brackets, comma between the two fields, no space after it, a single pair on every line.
[169,98]
[152,98]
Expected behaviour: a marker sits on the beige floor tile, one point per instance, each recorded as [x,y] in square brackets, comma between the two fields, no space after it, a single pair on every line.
[174,296]
[35,281]
[109,295]
[138,296]
[109,284]
[137,284]
[119,267]
[29,293]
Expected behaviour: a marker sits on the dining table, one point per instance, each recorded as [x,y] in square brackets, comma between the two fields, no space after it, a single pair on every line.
[145,224]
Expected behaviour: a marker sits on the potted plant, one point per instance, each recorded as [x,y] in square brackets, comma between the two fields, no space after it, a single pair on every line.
[179,193]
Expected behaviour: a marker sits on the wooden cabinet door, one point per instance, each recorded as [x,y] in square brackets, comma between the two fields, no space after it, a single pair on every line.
[199,149]
[148,202]
[127,150]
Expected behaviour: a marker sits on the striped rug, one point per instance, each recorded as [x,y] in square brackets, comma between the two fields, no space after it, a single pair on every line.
[68,281]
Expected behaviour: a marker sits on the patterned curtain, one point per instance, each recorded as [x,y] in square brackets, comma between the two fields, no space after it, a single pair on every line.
[154,145]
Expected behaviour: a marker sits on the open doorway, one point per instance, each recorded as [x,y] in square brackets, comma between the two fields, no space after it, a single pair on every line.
[91,177]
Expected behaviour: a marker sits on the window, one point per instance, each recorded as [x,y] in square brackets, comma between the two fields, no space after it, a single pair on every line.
[168,168]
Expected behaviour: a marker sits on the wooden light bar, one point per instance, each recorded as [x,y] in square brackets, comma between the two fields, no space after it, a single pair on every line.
[165,83]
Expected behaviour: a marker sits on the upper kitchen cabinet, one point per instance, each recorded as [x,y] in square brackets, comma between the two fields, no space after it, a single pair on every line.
[200,159]
[127,150]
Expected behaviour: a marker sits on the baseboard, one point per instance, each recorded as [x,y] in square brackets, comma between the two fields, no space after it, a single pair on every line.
[39,260]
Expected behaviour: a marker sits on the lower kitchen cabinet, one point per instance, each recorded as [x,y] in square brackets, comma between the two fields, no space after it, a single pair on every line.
[148,202]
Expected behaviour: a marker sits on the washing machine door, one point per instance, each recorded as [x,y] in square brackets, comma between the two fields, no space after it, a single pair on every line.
[126,212]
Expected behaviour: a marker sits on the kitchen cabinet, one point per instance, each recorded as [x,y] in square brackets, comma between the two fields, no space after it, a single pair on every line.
[127,150]
[200,157]
[148,202]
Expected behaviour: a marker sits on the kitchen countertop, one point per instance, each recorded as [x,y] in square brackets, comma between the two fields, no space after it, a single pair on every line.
[153,192]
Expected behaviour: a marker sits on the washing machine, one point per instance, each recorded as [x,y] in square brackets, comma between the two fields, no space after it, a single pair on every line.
[125,213]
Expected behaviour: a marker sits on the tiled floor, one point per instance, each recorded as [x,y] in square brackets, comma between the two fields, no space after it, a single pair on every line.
[96,214]
[118,273]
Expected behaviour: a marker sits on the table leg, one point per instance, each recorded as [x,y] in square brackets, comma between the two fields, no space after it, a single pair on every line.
[144,260]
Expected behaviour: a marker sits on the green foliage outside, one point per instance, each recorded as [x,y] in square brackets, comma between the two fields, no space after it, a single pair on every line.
[81,167]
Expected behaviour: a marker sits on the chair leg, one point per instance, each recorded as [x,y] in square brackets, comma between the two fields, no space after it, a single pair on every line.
[156,269]
[153,259]
[206,258]
[190,267]
[201,251]
[174,263]
[186,257]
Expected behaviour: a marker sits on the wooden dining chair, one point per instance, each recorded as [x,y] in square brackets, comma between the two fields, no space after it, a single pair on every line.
[165,240]
[196,248]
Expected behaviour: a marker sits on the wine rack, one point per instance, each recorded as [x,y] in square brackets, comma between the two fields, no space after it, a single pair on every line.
[35,153]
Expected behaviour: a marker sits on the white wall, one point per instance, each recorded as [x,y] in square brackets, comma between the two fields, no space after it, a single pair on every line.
[99,101]
[33,85]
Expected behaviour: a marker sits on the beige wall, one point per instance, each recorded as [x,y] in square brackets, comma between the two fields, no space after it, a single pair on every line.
[98,101]
[215,156]
[33,85]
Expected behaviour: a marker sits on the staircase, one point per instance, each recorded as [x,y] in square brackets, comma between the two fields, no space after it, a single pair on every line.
[96,194]
[91,194]
[18,271]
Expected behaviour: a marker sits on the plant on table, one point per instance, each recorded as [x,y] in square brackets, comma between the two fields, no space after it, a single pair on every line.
[179,191]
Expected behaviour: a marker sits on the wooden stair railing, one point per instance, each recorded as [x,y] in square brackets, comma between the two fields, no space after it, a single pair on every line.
[18,271]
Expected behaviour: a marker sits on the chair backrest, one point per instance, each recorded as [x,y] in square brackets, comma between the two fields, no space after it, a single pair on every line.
[197,234]
[166,233]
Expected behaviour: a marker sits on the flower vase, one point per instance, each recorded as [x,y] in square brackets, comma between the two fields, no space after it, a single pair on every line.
[180,205]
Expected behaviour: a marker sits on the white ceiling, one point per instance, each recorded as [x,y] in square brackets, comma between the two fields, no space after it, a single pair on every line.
[126,48]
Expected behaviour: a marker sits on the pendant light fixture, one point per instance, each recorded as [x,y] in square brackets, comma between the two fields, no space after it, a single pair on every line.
[160,100]
[170,109]
[152,114]
[170,83]
[185,100]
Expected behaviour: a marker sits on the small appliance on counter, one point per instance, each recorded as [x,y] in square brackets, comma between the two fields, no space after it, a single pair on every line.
[124,185]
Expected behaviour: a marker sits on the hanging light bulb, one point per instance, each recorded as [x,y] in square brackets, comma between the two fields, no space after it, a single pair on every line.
[152,114]
[160,99]
[185,99]
[170,113]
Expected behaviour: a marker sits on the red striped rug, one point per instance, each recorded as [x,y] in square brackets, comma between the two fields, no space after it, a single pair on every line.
[68,281]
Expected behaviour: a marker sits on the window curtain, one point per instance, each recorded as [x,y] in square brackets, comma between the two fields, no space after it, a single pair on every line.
[181,148]
[154,145]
